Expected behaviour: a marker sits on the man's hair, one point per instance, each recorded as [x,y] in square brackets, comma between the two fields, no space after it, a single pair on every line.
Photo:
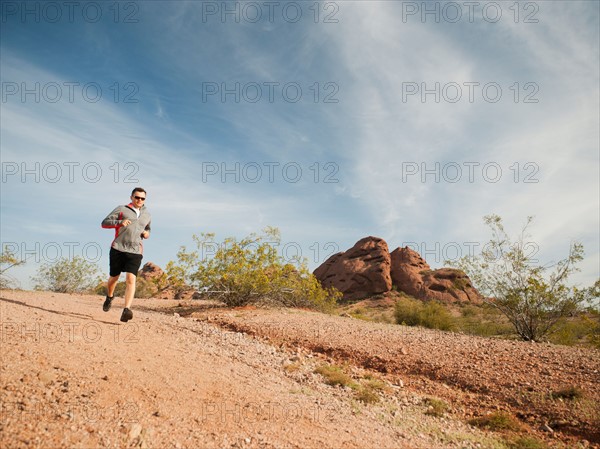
[137,189]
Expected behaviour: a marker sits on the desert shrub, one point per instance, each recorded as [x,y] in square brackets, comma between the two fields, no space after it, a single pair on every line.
[250,270]
[383,318]
[482,320]
[436,316]
[594,314]
[334,375]
[375,384]
[66,275]
[407,311]
[436,407]
[369,389]
[8,260]
[367,395]
[533,297]
[578,329]
[572,392]
[291,367]
[497,421]
[469,311]
[485,320]
[360,313]
[430,314]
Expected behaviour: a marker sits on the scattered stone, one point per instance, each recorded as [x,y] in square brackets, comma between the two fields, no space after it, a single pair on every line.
[134,431]
[46,377]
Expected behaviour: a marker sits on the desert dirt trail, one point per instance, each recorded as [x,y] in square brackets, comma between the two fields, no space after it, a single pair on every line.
[74,376]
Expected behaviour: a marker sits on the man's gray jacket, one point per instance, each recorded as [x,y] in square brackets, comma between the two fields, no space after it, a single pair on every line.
[128,238]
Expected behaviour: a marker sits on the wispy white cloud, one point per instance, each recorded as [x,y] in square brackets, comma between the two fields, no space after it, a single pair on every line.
[559,135]
[369,134]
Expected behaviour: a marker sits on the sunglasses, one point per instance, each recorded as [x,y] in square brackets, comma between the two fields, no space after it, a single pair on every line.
[140,198]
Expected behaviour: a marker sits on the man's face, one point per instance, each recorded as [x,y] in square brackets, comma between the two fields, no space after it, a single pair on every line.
[138,199]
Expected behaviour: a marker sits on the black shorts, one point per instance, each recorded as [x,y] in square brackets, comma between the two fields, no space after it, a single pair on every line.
[124,262]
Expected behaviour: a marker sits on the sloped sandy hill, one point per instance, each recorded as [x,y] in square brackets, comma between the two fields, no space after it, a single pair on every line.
[74,376]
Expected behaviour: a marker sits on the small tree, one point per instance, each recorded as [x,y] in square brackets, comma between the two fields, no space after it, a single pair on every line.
[67,275]
[249,271]
[8,260]
[534,298]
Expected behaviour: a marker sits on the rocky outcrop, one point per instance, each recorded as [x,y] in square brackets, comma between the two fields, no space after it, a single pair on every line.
[406,268]
[152,273]
[368,269]
[362,271]
[449,285]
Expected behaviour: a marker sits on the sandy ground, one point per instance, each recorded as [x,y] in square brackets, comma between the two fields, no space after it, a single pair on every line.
[185,376]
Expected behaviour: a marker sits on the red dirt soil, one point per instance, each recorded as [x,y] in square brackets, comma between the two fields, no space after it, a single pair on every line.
[184,375]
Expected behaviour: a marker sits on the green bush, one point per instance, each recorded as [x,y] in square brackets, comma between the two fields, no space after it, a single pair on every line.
[430,314]
[250,271]
[469,311]
[66,275]
[579,329]
[571,393]
[497,421]
[8,260]
[483,320]
[436,407]
[487,321]
[334,375]
[367,395]
[533,297]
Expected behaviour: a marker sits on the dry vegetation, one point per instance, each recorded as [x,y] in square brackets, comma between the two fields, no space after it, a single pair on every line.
[581,329]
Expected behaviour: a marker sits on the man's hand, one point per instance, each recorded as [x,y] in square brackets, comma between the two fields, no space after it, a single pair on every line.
[145,234]
[125,222]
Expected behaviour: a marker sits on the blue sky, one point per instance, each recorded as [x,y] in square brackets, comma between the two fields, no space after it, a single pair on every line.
[331,121]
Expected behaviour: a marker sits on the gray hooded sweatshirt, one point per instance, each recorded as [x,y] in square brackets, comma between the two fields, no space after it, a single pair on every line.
[128,238]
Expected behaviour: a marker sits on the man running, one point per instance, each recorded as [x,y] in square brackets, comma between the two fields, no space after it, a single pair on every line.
[131,224]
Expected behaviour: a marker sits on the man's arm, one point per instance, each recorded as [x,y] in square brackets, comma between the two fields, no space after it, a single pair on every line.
[146,233]
[112,220]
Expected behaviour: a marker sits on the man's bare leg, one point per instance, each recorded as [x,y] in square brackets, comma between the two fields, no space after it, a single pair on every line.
[129,289]
[110,292]
[112,283]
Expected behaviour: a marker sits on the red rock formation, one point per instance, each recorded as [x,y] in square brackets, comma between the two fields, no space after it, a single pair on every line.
[151,272]
[412,275]
[367,269]
[406,268]
[362,271]
[449,285]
